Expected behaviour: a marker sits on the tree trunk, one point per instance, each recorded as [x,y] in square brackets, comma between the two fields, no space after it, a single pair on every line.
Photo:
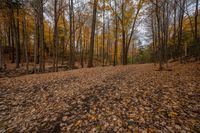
[25,44]
[49,54]
[124,62]
[180,33]
[41,37]
[154,40]
[133,28]
[64,39]
[133,53]
[90,60]
[124,54]
[55,36]
[108,44]
[196,19]
[72,56]
[103,57]
[63,49]
[17,37]
[159,35]
[196,30]
[1,63]
[97,47]
[13,40]
[174,35]
[36,45]
[9,41]
[116,37]
[38,42]
[81,49]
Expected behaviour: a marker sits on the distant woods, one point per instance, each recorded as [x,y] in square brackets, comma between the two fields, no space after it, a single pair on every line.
[175,30]
[46,35]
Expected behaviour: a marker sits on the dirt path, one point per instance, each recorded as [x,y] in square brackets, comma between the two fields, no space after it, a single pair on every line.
[131,98]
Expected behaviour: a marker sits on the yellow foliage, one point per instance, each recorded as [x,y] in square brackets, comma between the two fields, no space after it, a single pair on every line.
[172,114]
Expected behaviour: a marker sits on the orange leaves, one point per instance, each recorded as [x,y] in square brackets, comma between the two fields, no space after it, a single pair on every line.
[172,114]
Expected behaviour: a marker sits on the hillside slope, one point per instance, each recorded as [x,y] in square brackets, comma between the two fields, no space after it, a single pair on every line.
[120,99]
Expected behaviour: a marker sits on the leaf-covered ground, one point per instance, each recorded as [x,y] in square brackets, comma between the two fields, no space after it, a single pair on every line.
[132,98]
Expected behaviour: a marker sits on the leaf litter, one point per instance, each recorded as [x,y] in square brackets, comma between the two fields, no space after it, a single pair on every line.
[133,98]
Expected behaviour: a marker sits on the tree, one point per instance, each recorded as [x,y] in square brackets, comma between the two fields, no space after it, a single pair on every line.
[25,37]
[58,11]
[39,54]
[156,5]
[1,63]
[72,34]
[103,57]
[127,18]
[196,27]
[91,52]
[55,37]
[180,26]
[116,37]
[17,34]
[196,19]
[41,37]
[160,37]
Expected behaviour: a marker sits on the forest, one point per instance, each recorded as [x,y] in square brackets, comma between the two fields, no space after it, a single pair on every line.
[99,66]
[48,35]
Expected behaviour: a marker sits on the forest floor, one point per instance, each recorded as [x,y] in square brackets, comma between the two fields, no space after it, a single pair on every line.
[133,98]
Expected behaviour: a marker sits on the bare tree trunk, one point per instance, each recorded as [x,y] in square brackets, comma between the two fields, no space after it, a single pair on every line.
[49,51]
[25,44]
[116,37]
[25,37]
[38,43]
[1,63]
[63,50]
[41,37]
[166,25]
[159,35]
[174,36]
[23,60]
[154,40]
[97,47]
[108,44]
[132,30]
[103,57]
[180,33]
[55,36]
[64,39]
[133,53]
[123,38]
[9,41]
[13,40]
[35,45]
[17,36]
[80,42]
[85,49]
[196,19]
[196,30]
[91,53]
[81,49]
[72,56]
